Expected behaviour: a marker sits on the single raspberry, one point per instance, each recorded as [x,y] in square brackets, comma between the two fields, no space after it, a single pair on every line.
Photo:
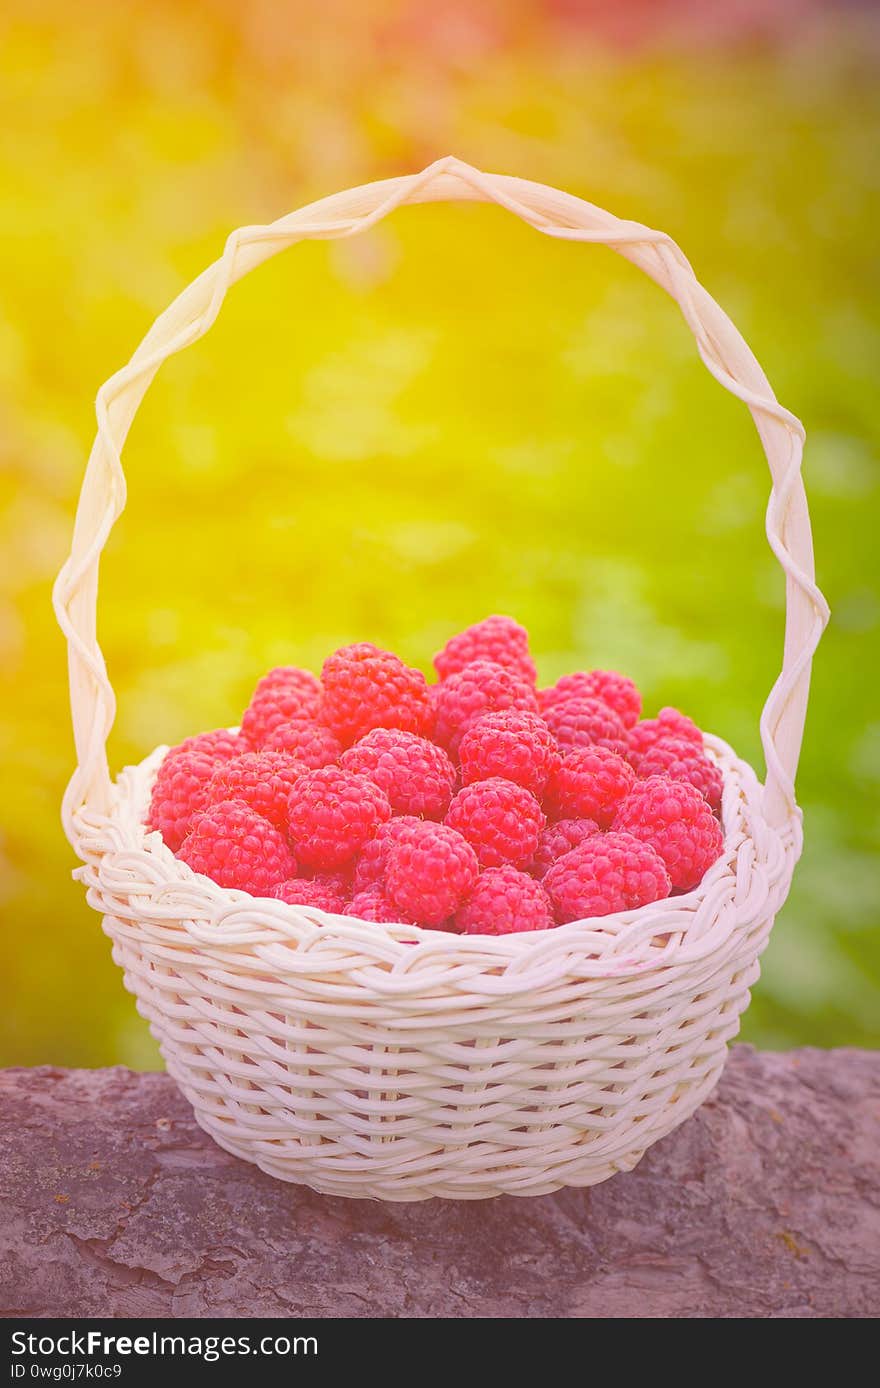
[285,693]
[263,780]
[590,784]
[558,839]
[512,743]
[480,688]
[331,815]
[582,722]
[670,722]
[237,848]
[618,692]
[675,819]
[505,901]
[416,775]
[301,891]
[366,688]
[608,873]
[683,761]
[373,860]
[179,791]
[306,739]
[499,639]
[220,744]
[501,820]
[430,873]
[373,905]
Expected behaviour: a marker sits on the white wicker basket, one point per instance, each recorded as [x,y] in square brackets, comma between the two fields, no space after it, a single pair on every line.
[398,1063]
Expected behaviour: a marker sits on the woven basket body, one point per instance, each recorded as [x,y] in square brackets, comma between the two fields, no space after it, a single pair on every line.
[399,1063]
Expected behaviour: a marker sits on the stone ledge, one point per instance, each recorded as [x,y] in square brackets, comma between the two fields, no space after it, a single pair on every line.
[765,1203]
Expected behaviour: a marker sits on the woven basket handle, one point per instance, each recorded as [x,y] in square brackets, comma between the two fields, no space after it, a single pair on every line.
[555,214]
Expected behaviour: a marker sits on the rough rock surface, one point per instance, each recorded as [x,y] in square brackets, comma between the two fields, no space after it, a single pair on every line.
[766,1203]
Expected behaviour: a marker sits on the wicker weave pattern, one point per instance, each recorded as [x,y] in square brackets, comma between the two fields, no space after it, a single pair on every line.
[399,1063]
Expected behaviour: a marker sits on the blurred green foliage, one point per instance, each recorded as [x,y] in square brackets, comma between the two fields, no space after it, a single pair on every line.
[390,437]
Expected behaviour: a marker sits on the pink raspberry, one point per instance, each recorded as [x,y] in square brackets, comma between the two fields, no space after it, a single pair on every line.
[558,839]
[618,692]
[285,693]
[670,722]
[308,740]
[300,891]
[332,814]
[511,743]
[179,791]
[608,873]
[237,848]
[372,864]
[220,744]
[373,905]
[480,688]
[430,873]
[263,780]
[416,775]
[683,761]
[590,784]
[501,820]
[674,818]
[366,688]
[582,722]
[505,901]
[499,639]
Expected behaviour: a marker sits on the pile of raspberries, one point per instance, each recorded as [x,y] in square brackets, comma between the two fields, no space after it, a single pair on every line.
[478,804]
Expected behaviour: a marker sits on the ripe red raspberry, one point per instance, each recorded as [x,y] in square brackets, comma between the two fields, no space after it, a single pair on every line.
[608,873]
[670,722]
[309,741]
[505,901]
[285,693]
[332,814]
[416,775]
[263,780]
[366,688]
[430,872]
[480,688]
[560,838]
[179,791]
[511,743]
[618,692]
[683,761]
[373,860]
[373,905]
[237,848]
[499,639]
[220,744]
[582,722]
[675,819]
[590,784]
[501,820]
[300,891]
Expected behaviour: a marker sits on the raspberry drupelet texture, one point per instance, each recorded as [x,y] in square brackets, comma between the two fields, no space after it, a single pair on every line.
[501,820]
[286,692]
[366,688]
[579,721]
[512,743]
[373,905]
[331,815]
[237,848]
[499,639]
[431,873]
[263,780]
[670,722]
[221,744]
[301,891]
[675,819]
[308,740]
[505,901]
[611,872]
[590,784]
[618,692]
[480,688]
[415,774]
[683,761]
[372,862]
[179,791]
[558,839]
